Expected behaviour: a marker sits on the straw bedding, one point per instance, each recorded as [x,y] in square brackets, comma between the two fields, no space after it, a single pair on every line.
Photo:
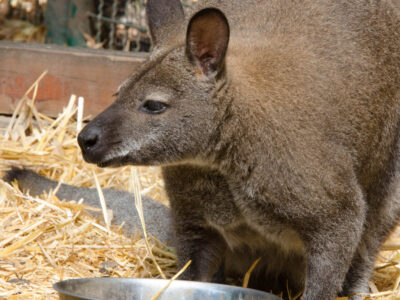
[44,240]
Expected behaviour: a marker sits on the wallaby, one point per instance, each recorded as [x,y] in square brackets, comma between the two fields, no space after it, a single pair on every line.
[156,215]
[276,125]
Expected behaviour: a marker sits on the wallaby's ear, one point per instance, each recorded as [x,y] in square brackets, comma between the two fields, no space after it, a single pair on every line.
[207,40]
[165,18]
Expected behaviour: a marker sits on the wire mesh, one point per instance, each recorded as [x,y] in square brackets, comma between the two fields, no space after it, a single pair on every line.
[121,25]
[114,24]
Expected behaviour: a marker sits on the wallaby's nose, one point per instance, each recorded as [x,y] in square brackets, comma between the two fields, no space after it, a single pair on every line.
[88,138]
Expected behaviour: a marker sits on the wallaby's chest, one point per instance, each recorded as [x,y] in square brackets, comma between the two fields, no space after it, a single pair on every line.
[239,229]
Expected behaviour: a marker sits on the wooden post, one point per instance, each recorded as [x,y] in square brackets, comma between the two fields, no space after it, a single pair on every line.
[67,20]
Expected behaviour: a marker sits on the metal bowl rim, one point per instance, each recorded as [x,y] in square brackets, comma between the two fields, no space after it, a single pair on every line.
[184,282]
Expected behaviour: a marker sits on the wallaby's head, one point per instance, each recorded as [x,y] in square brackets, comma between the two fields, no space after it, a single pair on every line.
[169,109]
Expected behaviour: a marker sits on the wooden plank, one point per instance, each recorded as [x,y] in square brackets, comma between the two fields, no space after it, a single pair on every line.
[93,74]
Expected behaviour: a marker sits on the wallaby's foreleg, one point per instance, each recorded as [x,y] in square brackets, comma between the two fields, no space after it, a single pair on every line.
[326,266]
[382,217]
[205,248]
[330,247]
[195,195]
[357,277]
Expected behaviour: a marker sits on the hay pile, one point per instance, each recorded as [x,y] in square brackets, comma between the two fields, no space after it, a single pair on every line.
[44,240]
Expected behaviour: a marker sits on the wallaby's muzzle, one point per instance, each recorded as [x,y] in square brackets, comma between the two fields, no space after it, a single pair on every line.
[88,140]
[96,138]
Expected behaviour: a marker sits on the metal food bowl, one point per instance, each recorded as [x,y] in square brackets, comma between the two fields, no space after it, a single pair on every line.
[145,289]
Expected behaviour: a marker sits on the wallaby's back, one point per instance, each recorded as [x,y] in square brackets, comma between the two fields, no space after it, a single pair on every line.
[320,68]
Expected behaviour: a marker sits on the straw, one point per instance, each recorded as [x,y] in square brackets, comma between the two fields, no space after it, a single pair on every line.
[102,202]
[135,188]
[158,294]
[248,273]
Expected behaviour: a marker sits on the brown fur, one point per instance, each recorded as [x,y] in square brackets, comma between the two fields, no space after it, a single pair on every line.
[285,148]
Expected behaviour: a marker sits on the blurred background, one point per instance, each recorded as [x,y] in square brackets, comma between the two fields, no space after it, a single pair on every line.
[108,24]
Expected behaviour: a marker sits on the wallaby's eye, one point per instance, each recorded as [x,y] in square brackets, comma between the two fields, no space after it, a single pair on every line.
[153,107]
